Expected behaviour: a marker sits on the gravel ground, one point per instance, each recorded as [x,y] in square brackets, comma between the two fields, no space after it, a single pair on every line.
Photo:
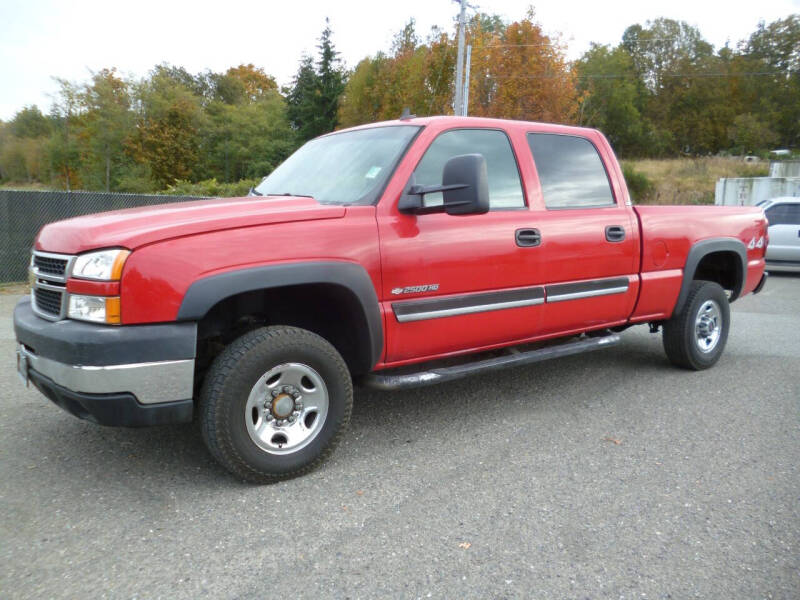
[609,475]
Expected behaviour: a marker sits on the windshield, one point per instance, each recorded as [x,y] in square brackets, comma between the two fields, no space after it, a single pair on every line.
[343,168]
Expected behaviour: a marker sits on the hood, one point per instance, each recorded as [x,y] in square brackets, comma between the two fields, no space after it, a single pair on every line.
[136,227]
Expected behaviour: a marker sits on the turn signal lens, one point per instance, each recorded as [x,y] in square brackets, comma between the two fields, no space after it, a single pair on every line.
[119,262]
[112,310]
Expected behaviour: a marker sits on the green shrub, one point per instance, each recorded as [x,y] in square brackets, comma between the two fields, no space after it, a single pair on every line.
[211,187]
[639,185]
[136,180]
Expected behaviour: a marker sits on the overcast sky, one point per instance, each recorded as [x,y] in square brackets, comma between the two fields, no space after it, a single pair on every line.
[41,39]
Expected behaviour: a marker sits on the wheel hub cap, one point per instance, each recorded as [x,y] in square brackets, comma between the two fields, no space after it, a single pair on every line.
[286,408]
[708,326]
[282,406]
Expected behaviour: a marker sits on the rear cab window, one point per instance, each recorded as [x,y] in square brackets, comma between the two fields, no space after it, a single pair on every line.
[571,172]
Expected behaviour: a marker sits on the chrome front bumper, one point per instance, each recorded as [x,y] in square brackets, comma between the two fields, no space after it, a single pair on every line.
[150,382]
[131,376]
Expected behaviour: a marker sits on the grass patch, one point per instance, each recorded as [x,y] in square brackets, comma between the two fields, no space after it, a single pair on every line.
[14,288]
[686,180]
[25,185]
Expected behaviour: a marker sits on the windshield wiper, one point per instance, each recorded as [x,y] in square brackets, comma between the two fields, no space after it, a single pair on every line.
[254,192]
[290,194]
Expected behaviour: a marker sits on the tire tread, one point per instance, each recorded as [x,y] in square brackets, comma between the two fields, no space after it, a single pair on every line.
[214,421]
[676,330]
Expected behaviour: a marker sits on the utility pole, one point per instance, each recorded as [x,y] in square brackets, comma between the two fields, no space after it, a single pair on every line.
[458,104]
[465,97]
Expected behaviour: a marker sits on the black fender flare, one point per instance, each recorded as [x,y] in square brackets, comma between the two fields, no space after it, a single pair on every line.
[204,293]
[703,248]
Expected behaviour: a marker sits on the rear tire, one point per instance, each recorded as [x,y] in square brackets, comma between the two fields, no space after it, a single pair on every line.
[275,404]
[695,337]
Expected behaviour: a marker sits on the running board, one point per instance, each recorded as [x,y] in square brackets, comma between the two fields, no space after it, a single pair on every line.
[441,374]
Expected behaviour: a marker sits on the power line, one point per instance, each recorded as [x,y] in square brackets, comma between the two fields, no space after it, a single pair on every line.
[633,42]
[624,76]
[689,75]
[543,44]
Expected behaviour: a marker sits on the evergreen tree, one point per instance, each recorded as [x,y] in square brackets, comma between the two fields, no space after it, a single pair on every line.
[301,100]
[313,99]
[331,81]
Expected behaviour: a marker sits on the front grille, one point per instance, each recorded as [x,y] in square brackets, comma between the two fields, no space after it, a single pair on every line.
[48,301]
[49,274]
[49,265]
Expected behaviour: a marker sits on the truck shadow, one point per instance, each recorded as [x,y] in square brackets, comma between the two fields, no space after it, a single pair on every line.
[137,457]
[566,384]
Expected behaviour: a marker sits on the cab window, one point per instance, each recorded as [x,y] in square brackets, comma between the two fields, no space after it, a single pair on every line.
[505,188]
[570,171]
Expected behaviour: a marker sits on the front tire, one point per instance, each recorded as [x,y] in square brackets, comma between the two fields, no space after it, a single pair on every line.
[275,403]
[695,337]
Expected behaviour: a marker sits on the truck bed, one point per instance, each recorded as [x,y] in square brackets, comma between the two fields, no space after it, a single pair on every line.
[667,234]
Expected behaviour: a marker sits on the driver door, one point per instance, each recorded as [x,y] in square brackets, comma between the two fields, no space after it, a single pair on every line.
[453,283]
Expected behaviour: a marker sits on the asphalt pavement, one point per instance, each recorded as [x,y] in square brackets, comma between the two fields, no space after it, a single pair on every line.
[607,475]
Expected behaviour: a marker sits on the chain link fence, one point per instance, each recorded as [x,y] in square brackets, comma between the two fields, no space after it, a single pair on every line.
[24,213]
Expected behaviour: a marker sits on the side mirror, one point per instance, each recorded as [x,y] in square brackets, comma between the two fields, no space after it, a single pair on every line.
[468,172]
[465,189]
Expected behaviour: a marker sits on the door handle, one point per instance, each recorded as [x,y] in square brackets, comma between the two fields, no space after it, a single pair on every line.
[615,233]
[528,237]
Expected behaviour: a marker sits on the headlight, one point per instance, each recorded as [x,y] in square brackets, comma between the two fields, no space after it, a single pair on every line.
[97,309]
[105,265]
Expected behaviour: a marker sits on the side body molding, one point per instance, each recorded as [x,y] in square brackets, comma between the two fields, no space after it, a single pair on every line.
[204,293]
[702,249]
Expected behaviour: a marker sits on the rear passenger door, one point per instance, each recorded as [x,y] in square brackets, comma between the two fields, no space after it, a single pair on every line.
[589,236]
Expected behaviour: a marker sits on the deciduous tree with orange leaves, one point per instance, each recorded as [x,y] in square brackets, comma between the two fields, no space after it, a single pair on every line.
[517,72]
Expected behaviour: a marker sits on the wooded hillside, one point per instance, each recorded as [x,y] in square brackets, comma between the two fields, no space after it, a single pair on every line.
[662,91]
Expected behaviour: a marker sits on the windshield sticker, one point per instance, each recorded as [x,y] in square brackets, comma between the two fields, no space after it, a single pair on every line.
[373,172]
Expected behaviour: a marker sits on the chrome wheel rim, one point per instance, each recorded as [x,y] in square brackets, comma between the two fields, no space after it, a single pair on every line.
[286,408]
[708,326]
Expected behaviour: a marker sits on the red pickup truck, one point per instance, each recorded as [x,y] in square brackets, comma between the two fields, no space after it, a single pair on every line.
[395,254]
